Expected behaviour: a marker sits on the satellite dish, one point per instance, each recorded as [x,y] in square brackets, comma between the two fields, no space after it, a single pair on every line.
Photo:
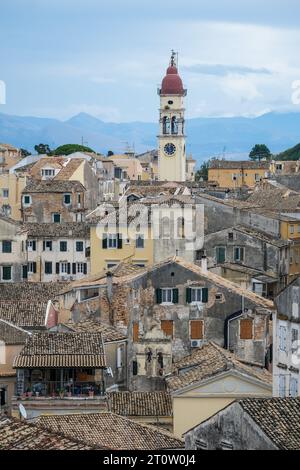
[22,410]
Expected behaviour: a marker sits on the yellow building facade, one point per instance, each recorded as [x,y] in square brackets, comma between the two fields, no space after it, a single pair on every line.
[230,174]
[11,187]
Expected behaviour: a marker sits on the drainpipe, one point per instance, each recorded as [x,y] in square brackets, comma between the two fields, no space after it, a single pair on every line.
[109,291]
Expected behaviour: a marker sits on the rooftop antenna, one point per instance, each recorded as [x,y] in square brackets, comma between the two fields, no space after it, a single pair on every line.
[173,62]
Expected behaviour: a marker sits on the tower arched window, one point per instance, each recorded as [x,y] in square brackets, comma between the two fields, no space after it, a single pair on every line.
[166,125]
[174,125]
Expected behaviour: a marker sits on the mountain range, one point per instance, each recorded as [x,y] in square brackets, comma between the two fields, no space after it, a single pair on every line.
[232,137]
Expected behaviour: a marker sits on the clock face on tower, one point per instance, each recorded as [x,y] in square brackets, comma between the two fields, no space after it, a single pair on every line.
[169,149]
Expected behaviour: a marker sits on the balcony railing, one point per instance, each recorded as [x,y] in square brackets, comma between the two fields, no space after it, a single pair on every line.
[59,389]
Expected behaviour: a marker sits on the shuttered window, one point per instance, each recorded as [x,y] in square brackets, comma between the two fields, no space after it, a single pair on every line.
[167,327]
[246,329]
[135,332]
[196,329]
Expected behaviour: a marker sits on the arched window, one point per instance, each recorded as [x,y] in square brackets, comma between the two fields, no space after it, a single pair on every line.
[174,125]
[165,228]
[166,125]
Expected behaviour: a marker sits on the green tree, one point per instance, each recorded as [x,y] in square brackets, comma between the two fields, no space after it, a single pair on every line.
[260,152]
[24,153]
[42,149]
[202,173]
[67,149]
[110,153]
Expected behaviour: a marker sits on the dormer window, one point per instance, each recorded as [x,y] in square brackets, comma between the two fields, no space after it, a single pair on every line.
[26,200]
[47,173]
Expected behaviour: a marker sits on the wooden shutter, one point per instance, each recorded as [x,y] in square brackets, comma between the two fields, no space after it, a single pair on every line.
[246,328]
[175,296]
[188,294]
[104,241]
[34,267]
[57,268]
[69,268]
[73,268]
[167,327]
[84,268]
[158,296]
[135,331]
[196,329]
[44,245]
[205,295]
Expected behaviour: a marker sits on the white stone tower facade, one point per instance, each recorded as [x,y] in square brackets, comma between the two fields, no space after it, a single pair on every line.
[171,139]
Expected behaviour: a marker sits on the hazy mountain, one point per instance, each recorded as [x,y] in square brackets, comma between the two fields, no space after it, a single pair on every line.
[205,136]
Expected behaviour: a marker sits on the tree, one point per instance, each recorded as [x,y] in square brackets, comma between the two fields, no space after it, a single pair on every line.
[260,152]
[110,153]
[24,153]
[42,149]
[202,173]
[67,149]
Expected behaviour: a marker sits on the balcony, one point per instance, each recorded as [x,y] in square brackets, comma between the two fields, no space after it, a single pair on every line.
[61,390]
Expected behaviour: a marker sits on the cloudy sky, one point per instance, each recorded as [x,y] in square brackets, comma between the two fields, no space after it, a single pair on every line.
[106,58]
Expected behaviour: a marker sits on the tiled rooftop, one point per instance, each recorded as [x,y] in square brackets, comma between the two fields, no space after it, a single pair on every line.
[209,361]
[109,333]
[140,403]
[11,334]
[20,435]
[53,186]
[110,431]
[52,230]
[279,419]
[57,350]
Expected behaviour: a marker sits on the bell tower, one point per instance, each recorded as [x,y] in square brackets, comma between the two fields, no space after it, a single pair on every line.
[171,139]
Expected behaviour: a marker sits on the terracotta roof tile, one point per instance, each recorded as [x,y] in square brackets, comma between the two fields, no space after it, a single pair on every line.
[20,435]
[140,403]
[53,186]
[57,350]
[279,419]
[110,431]
[11,334]
[109,333]
[209,361]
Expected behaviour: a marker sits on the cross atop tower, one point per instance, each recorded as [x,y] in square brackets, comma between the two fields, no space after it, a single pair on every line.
[173,61]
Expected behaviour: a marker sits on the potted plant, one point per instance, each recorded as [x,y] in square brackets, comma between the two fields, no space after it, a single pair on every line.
[61,393]
[29,393]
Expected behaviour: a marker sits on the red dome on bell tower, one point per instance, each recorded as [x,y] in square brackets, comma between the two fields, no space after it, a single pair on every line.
[172,83]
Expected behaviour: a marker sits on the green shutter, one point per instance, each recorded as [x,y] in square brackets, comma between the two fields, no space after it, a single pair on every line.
[104,241]
[188,293]
[175,296]
[204,295]
[158,296]
[120,241]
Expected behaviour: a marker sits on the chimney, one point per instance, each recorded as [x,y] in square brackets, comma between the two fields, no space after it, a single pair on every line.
[204,264]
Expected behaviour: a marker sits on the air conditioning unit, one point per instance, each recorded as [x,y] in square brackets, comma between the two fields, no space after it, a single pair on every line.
[196,343]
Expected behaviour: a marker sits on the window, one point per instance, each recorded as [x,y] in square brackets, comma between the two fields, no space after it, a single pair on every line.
[295,336]
[293,387]
[292,229]
[6,273]
[257,177]
[112,241]
[135,331]
[167,327]
[230,236]
[81,268]
[299,228]
[31,245]
[5,193]
[47,245]
[111,265]
[282,381]
[48,267]
[282,338]
[196,329]
[220,254]
[48,173]
[63,246]
[139,241]
[65,268]
[56,218]
[239,253]
[6,246]
[67,199]
[79,246]
[246,329]
[32,267]
[196,295]
[26,200]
